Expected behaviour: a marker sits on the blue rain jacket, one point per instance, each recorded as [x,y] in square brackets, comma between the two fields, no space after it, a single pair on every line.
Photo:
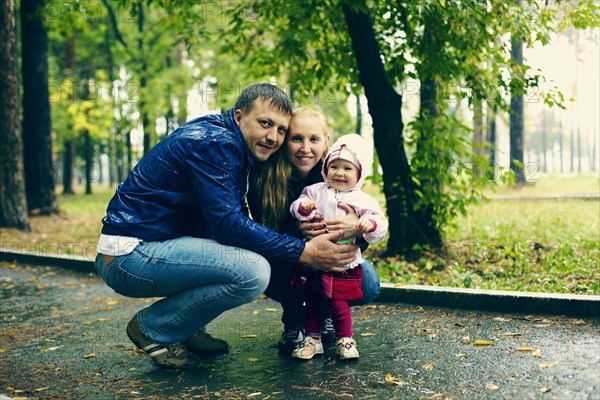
[194,183]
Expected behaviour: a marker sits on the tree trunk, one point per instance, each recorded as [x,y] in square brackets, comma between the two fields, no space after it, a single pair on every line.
[478,138]
[428,110]
[88,150]
[68,155]
[544,142]
[572,143]
[560,145]
[574,107]
[593,155]
[89,161]
[578,148]
[69,144]
[491,140]
[359,117]
[13,202]
[112,140]
[516,117]
[182,110]
[129,165]
[37,138]
[405,229]
[143,112]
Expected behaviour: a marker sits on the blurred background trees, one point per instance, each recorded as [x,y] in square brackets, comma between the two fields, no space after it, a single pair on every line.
[436,79]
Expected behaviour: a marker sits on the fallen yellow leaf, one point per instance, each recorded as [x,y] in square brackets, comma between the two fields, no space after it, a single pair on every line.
[255,312]
[394,381]
[103,319]
[548,365]
[525,348]
[483,343]
[41,389]
[491,386]
[367,334]
[514,334]
[537,353]
[271,309]
[466,340]
[91,355]
[52,348]
[545,389]
[249,336]
[429,366]
[253,359]
[2,350]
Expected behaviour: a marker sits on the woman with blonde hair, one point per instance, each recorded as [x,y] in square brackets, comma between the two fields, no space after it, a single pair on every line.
[273,187]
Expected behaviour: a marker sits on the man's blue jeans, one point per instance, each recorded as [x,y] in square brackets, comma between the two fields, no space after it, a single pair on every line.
[198,279]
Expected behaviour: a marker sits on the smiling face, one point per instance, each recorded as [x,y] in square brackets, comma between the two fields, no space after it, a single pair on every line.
[263,128]
[342,175]
[306,143]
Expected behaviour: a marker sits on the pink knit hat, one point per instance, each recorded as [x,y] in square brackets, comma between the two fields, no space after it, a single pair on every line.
[342,153]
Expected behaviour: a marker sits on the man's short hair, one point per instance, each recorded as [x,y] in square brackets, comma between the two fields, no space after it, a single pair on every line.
[264,91]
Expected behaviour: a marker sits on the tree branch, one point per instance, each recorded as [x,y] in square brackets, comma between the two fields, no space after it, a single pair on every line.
[113,23]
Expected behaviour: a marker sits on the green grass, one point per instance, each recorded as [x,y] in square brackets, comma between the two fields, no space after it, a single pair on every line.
[526,245]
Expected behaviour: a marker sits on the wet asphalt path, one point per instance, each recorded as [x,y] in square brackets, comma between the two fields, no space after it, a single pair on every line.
[62,337]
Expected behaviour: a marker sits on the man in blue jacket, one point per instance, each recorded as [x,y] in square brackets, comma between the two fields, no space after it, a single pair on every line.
[178,228]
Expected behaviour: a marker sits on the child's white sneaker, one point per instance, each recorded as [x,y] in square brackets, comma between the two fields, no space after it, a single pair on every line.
[308,348]
[346,348]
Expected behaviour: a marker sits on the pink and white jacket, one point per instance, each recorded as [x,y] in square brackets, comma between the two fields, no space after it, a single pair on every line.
[328,198]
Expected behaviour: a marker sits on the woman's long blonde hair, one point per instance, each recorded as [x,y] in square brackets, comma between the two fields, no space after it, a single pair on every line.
[272,178]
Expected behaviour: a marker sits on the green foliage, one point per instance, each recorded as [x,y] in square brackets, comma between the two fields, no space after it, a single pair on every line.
[294,41]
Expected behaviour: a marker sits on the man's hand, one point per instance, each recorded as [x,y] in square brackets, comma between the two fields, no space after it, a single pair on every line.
[322,254]
[348,224]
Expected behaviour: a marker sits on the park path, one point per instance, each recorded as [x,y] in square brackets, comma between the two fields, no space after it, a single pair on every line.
[62,337]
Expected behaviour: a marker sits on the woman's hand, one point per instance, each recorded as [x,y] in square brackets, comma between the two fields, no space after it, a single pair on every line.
[313,228]
[347,223]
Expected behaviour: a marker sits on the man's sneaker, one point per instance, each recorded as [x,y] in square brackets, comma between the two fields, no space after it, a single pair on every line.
[308,348]
[346,348]
[327,331]
[204,343]
[166,356]
[291,338]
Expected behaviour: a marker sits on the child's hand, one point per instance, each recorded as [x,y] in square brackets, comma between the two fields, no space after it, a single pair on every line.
[365,225]
[306,206]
